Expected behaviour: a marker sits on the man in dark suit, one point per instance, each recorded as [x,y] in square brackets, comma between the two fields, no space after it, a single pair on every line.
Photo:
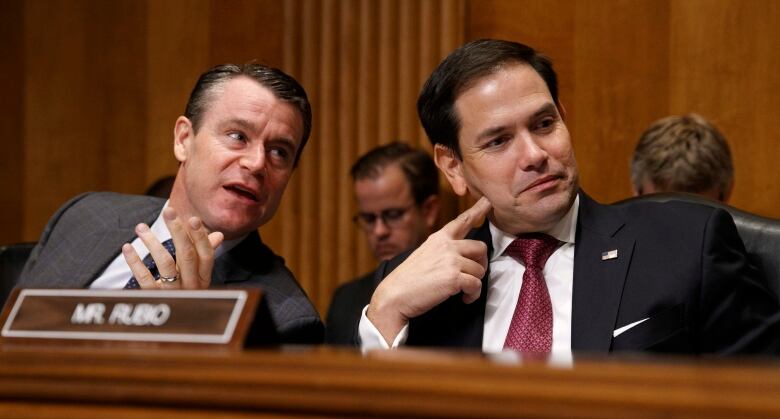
[238,142]
[397,194]
[551,270]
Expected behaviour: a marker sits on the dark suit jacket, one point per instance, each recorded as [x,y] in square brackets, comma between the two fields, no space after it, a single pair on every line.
[86,234]
[681,265]
[345,310]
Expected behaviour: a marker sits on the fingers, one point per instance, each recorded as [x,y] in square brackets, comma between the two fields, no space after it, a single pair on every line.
[469,279]
[186,256]
[166,265]
[194,249]
[471,286]
[460,226]
[194,254]
[472,268]
[472,249]
[441,267]
[216,238]
[186,259]
[204,247]
[137,267]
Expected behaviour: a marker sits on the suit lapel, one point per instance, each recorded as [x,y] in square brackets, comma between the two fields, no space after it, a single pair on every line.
[108,240]
[108,244]
[240,262]
[474,326]
[601,261]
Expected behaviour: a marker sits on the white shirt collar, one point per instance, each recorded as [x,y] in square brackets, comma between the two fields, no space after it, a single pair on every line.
[564,230]
[160,231]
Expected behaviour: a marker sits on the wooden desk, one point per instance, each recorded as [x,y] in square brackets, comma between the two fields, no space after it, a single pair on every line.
[326,382]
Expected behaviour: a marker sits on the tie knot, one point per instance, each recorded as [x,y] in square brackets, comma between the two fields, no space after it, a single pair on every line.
[533,249]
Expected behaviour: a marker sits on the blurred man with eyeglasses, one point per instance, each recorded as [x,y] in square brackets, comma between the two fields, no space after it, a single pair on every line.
[397,195]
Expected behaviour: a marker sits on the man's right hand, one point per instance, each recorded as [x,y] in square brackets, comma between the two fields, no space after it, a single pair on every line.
[195,248]
[444,265]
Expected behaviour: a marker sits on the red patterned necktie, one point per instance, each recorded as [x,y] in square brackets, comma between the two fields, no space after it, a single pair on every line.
[531,327]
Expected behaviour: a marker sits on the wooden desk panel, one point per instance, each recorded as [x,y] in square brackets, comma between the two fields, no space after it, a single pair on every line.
[326,382]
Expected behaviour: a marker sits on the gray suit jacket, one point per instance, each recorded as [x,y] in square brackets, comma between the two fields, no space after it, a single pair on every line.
[86,234]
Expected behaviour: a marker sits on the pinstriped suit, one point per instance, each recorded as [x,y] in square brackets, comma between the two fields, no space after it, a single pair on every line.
[87,233]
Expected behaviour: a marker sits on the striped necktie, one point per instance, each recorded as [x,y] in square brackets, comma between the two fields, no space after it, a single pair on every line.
[133,284]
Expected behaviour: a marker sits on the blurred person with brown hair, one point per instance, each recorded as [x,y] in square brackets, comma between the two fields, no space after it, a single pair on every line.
[683,154]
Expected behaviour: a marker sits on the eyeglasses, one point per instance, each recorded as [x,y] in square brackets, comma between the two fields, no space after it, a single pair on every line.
[390,217]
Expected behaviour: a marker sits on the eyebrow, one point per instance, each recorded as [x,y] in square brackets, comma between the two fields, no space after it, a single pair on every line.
[249,126]
[546,109]
[243,123]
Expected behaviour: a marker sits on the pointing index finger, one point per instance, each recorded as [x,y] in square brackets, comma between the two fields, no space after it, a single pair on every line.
[460,226]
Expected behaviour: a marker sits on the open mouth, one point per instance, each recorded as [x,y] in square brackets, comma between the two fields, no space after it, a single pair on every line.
[241,191]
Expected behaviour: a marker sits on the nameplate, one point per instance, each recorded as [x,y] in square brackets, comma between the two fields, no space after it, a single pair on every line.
[165,316]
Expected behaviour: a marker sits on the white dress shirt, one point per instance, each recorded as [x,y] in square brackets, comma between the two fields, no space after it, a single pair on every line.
[118,272]
[504,283]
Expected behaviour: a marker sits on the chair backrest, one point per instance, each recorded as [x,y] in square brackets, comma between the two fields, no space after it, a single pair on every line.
[761,235]
[12,260]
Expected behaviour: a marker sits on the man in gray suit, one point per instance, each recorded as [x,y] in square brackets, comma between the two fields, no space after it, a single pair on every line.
[237,143]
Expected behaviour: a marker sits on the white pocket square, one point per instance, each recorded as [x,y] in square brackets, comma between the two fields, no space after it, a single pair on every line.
[619,331]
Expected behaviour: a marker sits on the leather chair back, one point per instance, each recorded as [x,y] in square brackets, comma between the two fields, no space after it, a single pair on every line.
[12,260]
[761,235]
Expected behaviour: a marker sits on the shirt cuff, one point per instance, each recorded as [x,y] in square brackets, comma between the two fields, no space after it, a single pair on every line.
[370,338]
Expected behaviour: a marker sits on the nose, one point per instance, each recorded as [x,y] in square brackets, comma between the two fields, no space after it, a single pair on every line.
[380,229]
[253,159]
[532,155]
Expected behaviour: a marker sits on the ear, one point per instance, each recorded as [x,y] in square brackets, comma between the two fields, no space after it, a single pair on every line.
[183,134]
[452,167]
[430,210]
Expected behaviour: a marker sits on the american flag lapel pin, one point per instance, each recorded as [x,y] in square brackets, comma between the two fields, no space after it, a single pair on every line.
[612,254]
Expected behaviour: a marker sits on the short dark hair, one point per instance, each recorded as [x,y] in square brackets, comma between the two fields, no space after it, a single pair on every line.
[463,67]
[418,168]
[283,86]
[683,153]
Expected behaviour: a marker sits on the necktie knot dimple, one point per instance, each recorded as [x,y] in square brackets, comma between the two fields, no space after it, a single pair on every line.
[531,326]
[152,265]
[533,249]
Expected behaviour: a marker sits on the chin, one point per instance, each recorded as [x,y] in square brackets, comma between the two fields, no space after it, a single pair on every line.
[555,207]
[233,230]
[386,256]
[237,220]
[526,218]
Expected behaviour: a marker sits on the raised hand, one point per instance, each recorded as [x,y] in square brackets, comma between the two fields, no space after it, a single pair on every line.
[444,265]
[194,254]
